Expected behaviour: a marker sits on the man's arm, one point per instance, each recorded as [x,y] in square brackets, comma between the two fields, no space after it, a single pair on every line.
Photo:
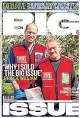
[74,85]
[74,80]
[10,59]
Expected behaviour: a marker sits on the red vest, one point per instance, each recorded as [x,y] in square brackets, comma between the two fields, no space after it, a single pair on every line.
[22,57]
[62,78]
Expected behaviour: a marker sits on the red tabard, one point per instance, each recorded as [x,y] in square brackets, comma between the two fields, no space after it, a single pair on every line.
[22,56]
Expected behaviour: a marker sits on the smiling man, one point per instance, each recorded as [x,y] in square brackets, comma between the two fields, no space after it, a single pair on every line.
[25,52]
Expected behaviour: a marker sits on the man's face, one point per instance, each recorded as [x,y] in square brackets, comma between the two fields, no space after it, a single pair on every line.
[31,33]
[53,48]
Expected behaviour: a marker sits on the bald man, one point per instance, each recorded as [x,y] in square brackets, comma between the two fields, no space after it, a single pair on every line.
[58,75]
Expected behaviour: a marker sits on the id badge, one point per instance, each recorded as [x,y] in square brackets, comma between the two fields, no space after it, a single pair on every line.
[38,57]
[65,78]
[34,93]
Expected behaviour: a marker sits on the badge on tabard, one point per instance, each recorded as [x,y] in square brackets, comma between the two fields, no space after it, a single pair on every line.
[47,75]
[21,59]
[38,56]
[65,78]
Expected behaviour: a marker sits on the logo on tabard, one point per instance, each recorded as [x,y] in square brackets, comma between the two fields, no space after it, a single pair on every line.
[21,59]
[38,56]
[65,78]
[47,75]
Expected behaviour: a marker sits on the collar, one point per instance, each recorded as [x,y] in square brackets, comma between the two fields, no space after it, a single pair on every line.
[22,43]
[28,48]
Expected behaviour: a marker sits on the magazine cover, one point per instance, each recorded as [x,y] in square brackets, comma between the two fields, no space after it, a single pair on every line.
[40,59]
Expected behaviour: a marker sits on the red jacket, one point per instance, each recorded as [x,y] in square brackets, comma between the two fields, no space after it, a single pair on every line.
[62,78]
[22,56]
